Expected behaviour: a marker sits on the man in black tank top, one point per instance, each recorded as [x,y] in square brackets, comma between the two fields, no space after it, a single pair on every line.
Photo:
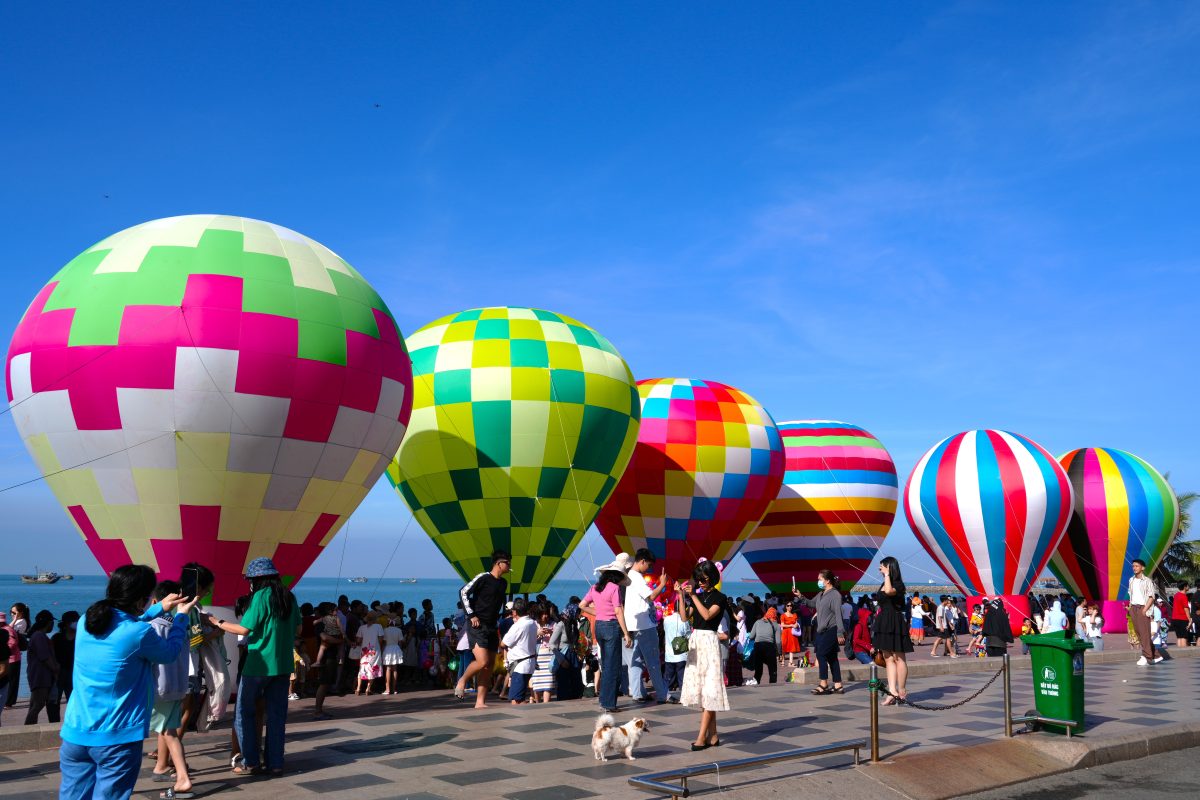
[482,600]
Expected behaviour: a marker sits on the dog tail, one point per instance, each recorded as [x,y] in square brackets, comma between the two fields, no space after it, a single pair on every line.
[605,721]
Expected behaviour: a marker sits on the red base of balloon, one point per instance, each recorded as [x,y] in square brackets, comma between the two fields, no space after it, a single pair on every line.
[1115,616]
[1017,606]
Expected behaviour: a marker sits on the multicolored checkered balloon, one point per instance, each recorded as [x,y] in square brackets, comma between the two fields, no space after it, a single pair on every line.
[209,388]
[1124,509]
[523,420]
[837,504]
[707,464]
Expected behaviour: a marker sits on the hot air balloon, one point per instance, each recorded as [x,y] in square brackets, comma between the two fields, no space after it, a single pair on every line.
[523,420]
[836,505]
[990,508]
[209,388]
[1124,509]
[707,464]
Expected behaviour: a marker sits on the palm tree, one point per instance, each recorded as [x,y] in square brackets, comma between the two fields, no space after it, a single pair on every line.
[1181,561]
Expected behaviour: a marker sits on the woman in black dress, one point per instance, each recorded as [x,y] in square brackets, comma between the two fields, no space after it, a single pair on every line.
[890,635]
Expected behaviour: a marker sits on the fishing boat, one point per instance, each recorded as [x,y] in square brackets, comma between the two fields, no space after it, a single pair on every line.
[359,579]
[41,577]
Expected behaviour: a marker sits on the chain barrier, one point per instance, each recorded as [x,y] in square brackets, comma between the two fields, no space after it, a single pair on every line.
[881,686]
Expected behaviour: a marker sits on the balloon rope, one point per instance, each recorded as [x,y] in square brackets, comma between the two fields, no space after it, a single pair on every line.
[85,463]
[345,541]
[375,591]
[104,352]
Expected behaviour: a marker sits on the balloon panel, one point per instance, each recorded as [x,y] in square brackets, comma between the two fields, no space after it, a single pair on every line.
[522,422]
[1124,509]
[209,388]
[989,507]
[836,505]
[707,463]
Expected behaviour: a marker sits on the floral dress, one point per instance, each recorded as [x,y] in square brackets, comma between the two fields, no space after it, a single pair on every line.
[543,675]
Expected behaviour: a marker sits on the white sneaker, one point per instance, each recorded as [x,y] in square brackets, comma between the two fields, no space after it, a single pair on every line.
[1141,662]
[1158,659]
[293,696]
[751,682]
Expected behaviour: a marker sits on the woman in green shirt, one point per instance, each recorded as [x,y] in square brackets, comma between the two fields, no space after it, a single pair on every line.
[271,624]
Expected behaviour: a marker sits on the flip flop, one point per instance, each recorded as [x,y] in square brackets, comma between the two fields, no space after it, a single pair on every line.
[163,777]
[171,794]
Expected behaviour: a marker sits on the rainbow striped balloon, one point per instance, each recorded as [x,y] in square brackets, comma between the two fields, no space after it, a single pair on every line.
[836,505]
[1124,509]
[990,507]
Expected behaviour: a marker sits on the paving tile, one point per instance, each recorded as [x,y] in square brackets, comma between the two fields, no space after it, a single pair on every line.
[978,725]
[355,781]
[472,777]
[492,717]
[543,754]
[561,792]
[398,719]
[610,769]
[534,727]
[483,743]
[381,744]
[593,713]
[423,760]
[763,747]
[582,739]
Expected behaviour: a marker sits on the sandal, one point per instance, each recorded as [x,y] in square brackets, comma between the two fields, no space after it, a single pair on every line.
[162,777]
[839,690]
[171,794]
[890,700]
[242,769]
[822,690]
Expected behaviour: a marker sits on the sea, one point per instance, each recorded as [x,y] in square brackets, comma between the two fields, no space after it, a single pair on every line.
[83,590]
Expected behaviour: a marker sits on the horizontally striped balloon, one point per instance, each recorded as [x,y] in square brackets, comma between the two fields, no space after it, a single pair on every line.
[990,507]
[1124,509]
[837,503]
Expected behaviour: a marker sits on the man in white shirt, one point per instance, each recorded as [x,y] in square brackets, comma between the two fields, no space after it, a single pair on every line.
[1141,608]
[520,645]
[642,624]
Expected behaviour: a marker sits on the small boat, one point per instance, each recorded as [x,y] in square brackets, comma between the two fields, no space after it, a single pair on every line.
[407,580]
[66,577]
[41,577]
[359,579]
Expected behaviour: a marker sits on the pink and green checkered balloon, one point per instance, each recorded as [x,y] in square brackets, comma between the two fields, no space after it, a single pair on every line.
[209,388]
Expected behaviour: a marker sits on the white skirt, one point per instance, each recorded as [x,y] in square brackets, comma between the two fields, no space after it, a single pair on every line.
[393,656]
[704,678]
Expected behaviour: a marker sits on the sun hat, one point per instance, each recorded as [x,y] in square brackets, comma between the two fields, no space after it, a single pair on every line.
[622,564]
[261,567]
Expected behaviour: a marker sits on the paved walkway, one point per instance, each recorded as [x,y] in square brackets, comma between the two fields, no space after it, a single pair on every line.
[426,745]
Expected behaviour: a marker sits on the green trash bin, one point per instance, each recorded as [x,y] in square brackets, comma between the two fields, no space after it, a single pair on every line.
[1057,660]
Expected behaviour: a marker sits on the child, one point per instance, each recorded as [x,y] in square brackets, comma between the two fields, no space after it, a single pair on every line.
[171,685]
[674,626]
[1026,630]
[393,655]
[975,628]
[916,628]
[520,643]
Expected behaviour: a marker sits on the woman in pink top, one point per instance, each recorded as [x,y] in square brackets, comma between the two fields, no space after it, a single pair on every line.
[604,600]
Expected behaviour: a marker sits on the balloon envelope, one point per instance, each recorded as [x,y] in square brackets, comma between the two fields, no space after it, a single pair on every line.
[837,503]
[708,462]
[990,508]
[523,420]
[1124,509]
[209,388]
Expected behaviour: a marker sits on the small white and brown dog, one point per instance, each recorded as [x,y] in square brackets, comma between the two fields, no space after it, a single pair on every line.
[610,738]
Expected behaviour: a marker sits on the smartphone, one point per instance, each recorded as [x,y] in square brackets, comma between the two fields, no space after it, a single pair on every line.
[189,580]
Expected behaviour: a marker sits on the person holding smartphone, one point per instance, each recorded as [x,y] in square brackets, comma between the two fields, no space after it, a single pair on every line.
[108,715]
[890,635]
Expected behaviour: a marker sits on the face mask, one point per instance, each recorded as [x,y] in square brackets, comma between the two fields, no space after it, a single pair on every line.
[820,583]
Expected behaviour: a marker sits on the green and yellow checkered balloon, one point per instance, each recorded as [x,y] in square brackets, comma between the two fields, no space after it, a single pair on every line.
[523,421]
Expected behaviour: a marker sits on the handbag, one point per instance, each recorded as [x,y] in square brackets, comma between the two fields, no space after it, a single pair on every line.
[679,645]
[748,650]
[878,658]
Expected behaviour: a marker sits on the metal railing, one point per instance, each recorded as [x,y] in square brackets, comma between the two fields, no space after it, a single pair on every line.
[655,782]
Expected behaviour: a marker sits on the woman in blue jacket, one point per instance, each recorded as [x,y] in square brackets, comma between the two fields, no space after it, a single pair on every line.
[108,715]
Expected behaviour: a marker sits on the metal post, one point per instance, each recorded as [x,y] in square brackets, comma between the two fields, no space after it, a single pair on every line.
[1007,696]
[874,713]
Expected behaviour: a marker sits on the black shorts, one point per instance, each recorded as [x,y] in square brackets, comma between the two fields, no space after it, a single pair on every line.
[945,633]
[485,636]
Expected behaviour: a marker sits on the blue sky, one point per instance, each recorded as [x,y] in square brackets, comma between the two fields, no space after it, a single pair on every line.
[919,218]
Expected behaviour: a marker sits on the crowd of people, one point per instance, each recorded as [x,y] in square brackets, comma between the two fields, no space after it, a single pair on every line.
[150,658]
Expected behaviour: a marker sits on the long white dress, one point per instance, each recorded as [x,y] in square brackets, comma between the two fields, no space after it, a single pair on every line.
[393,654]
